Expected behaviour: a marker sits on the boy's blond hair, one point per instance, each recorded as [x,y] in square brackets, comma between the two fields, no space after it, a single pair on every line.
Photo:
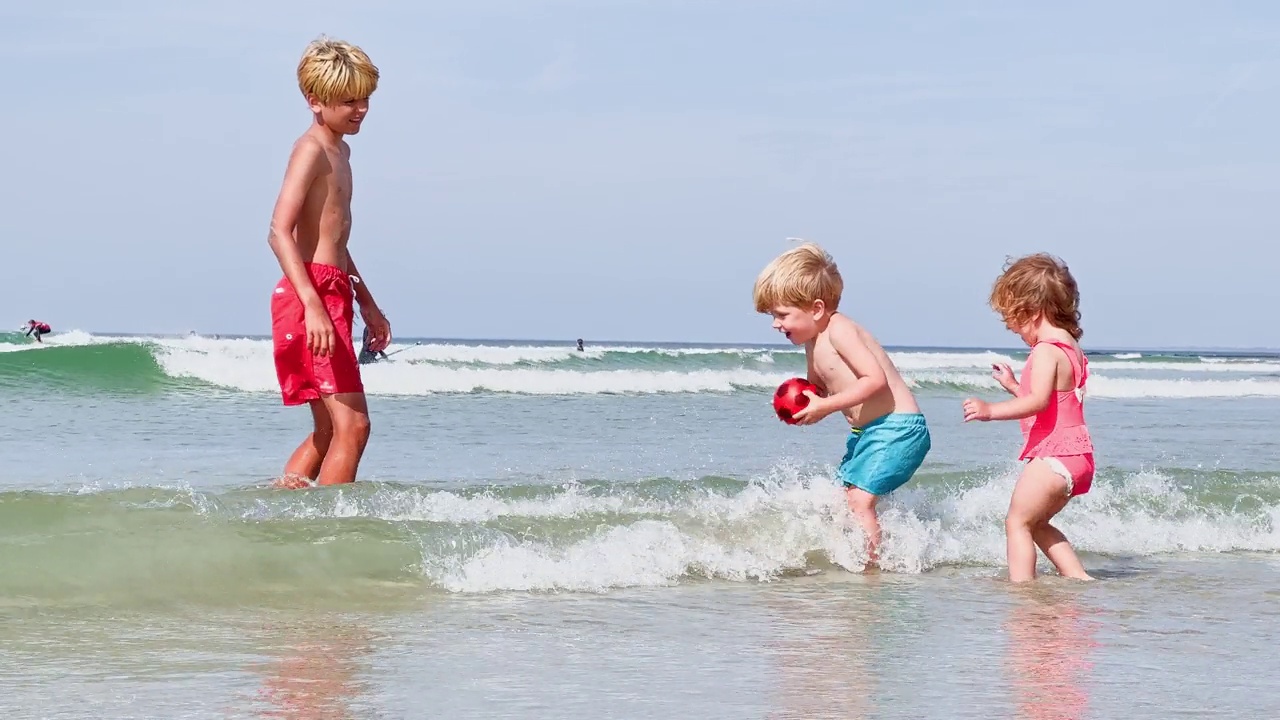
[1038,285]
[799,277]
[332,70]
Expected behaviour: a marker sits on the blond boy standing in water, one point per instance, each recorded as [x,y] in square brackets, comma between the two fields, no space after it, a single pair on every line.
[311,307]
[888,437]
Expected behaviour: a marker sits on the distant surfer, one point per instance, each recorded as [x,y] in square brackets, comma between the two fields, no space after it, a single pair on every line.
[579,344]
[367,353]
[36,328]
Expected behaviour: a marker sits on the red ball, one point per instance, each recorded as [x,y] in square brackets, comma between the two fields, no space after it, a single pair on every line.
[790,398]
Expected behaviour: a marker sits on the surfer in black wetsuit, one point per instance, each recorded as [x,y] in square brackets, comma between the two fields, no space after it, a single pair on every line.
[579,344]
[36,328]
[368,355]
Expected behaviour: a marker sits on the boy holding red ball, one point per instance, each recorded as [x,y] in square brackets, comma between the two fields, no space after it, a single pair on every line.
[889,438]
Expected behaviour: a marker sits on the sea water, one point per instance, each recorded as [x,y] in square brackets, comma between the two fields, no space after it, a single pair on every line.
[625,532]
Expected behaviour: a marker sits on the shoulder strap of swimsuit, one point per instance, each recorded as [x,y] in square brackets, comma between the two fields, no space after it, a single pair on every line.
[1079,363]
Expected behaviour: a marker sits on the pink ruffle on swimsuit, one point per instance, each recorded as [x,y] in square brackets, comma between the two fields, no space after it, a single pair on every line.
[1057,434]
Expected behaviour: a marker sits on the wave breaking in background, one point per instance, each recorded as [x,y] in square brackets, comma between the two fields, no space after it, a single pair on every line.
[254,544]
[81,361]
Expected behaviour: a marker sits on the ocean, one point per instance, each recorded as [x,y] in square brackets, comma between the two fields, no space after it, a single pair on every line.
[623,532]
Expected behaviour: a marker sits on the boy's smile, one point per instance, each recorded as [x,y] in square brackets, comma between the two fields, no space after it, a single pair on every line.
[798,324]
[344,116]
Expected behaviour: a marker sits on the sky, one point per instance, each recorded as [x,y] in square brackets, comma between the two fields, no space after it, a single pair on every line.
[623,169]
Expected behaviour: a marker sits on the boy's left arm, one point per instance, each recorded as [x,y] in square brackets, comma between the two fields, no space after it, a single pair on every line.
[378,325]
[870,377]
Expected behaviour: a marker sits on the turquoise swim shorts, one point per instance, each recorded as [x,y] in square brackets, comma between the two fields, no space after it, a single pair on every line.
[885,453]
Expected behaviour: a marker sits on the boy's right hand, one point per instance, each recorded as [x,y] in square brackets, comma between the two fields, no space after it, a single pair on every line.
[320,332]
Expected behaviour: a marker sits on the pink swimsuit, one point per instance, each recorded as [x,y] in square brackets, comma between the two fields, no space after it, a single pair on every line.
[1058,434]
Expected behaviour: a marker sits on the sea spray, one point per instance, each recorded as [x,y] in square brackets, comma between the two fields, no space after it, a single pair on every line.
[136,544]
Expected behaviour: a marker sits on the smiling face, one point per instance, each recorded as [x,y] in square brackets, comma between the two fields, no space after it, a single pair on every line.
[343,116]
[801,290]
[800,325]
[337,78]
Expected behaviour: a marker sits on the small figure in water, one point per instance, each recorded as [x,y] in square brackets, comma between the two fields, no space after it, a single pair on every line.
[579,344]
[367,353]
[36,328]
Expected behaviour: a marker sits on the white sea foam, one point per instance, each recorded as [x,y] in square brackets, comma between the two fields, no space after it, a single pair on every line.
[791,523]
[246,365]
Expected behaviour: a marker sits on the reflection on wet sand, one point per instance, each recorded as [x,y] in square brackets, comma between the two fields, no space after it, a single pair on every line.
[824,651]
[316,671]
[1050,653]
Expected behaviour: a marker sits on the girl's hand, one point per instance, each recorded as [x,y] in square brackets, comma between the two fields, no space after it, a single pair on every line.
[975,409]
[1003,374]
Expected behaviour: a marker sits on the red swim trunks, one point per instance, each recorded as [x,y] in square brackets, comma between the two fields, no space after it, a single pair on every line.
[305,377]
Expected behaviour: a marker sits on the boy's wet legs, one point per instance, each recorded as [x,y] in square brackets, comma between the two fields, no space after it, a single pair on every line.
[863,506]
[304,465]
[348,418]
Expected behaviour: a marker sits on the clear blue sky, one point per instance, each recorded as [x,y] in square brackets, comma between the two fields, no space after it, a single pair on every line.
[615,169]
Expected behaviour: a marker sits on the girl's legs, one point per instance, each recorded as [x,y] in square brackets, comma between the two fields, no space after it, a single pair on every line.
[1039,495]
[1057,548]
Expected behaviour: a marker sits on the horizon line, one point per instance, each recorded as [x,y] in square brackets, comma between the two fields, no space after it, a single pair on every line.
[572,342]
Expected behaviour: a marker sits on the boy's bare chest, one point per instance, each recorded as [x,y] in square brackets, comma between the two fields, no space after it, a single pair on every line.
[340,181]
[331,192]
[826,364]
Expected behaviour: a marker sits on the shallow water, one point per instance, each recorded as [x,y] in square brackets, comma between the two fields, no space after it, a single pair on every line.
[627,534]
